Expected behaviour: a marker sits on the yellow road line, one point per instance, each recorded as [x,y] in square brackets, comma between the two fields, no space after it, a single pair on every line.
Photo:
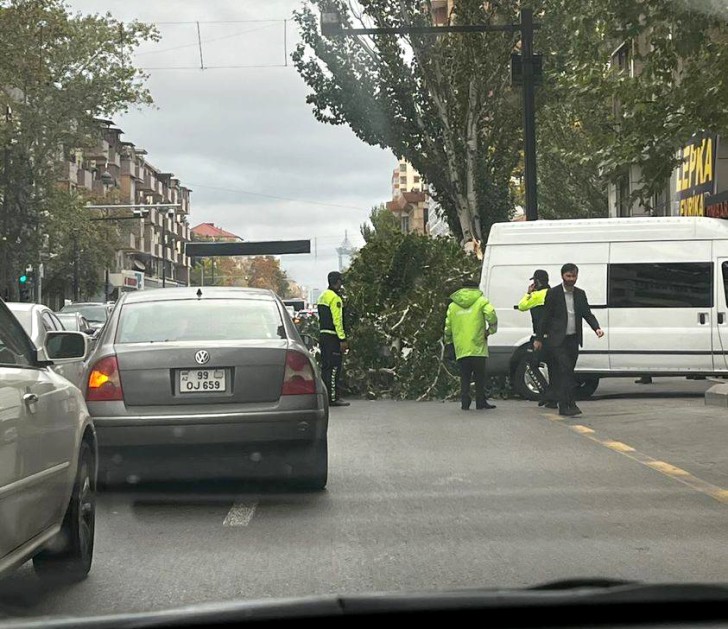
[618,446]
[583,430]
[663,467]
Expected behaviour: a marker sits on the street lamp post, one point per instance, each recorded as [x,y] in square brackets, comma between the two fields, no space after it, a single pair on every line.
[528,65]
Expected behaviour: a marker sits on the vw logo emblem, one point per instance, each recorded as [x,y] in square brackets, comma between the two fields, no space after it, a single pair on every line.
[202,357]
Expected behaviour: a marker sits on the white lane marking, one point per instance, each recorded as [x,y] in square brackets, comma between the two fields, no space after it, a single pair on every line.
[241,513]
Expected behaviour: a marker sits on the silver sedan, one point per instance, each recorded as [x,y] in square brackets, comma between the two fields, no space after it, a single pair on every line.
[188,383]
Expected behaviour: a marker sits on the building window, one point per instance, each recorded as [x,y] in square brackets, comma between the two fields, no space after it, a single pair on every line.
[406,224]
[661,285]
[417,179]
[623,201]
[622,57]
[403,168]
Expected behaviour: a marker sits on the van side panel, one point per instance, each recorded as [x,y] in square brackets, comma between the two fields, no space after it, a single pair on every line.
[659,319]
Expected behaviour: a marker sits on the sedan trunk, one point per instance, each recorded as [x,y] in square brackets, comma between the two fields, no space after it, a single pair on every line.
[191,372]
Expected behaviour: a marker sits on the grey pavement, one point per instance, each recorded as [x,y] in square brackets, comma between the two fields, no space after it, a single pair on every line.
[425,496]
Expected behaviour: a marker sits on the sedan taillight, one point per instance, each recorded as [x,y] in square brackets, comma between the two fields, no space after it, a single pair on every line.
[104,383]
[299,377]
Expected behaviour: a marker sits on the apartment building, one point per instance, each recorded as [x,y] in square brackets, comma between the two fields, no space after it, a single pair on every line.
[442,11]
[698,187]
[409,199]
[151,251]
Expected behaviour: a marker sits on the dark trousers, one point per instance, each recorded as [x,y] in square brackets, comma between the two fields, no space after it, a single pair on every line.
[472,367]
[562,361]
[331,364]
[535,358]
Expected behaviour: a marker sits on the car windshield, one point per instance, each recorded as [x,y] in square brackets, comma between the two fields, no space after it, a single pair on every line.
[94,313]
[200,320]
[380,296]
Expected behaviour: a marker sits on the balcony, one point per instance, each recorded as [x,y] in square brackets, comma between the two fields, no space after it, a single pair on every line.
[128,242]
[98,152]
[85,179]
[69,172]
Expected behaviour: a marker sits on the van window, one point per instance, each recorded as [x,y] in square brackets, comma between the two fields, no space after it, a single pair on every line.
[661,285]
[725,280]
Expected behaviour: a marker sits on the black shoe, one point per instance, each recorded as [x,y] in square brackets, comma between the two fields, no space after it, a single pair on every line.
[339,403]
[542,402]
[551,405]
[486,406]
[576,409]
[569,411]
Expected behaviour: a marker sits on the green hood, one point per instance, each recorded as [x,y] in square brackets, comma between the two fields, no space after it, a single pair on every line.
[466,297]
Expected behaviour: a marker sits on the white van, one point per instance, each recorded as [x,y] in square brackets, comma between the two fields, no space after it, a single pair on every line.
[658,287]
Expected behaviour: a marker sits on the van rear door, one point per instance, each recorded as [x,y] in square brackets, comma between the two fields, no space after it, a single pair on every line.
[661,306]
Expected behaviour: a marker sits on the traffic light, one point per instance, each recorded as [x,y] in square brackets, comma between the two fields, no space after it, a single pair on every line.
[25,284]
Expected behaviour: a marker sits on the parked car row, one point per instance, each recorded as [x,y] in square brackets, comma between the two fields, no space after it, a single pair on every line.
[181,383]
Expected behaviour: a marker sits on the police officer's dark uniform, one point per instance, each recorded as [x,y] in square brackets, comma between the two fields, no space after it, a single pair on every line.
[533,302]
[332,338]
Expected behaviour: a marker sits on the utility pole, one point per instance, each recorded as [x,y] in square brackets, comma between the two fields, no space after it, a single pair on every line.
[529,115]
[164,250]
[6,206]
[526,71]
[76,279]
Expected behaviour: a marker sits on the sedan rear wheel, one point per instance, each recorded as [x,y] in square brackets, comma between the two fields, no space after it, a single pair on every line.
[71,561]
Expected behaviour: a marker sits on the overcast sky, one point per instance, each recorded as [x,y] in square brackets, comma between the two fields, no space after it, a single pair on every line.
[228,133]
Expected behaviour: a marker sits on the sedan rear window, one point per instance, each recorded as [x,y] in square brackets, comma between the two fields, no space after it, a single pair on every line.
[97,314]
[200,320]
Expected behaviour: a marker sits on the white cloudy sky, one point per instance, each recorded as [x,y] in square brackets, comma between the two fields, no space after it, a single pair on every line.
[229,133]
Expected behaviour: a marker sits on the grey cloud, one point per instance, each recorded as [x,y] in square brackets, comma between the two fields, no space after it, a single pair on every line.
[249,130]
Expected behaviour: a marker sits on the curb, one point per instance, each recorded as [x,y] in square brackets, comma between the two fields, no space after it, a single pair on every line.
[717,395]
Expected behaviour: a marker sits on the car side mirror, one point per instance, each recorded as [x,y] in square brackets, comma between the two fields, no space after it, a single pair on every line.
[66,347]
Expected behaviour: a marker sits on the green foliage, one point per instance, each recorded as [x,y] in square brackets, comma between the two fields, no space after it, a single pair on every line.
[75,239]
[58,72]
[679,53]
[444,103]
[397,292]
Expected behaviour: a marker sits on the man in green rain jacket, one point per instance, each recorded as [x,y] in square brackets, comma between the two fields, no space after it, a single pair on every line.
[470,320]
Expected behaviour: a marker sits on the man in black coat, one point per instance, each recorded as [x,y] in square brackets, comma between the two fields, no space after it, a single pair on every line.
[560,329]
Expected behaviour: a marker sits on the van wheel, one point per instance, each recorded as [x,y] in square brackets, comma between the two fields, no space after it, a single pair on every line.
[523,383]
[69,558]
[587,385]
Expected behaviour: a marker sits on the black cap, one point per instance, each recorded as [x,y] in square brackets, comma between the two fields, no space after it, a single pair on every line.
[334,277]
[541,276]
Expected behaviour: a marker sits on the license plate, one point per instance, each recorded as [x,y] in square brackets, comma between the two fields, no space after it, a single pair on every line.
[202,381]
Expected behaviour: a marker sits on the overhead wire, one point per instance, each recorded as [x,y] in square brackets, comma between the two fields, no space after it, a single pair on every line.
[279,198]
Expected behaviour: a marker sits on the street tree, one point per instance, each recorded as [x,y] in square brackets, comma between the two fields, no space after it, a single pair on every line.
[396,292]
[266,272]
[443,102]
[76,246]
[59,72]
[641,77]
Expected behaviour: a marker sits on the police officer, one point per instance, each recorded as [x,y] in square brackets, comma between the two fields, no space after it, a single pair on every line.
[533,302]
[332,339]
